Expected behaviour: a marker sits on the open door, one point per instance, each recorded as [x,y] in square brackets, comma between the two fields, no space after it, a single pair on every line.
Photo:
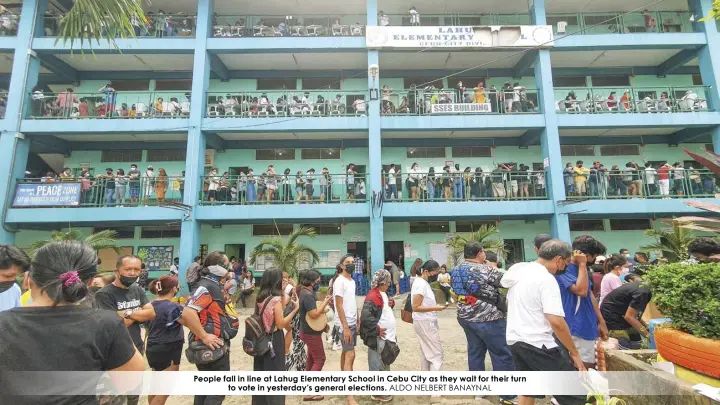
[359,249]
[394,252]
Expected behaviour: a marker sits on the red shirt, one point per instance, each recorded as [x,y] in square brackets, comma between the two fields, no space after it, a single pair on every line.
[663,173]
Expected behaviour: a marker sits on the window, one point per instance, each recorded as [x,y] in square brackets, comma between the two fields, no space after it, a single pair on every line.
[123,232]
[538,167]
[697,80]
[619,150]
[627,224]
[320,83]
[599,19]
[471,151]
[177,155]
[325,229]
[709,147]
[582,225]
[131,85]
[422,82]
[121,156]
[425,152]
[277,84]
[569,81]
[272,229]
[274,154]
[429,227]
[165,85]
[577,150]
[162,231]
[571,20]
[467,226]
[467,81]
[610,81]
[320,153]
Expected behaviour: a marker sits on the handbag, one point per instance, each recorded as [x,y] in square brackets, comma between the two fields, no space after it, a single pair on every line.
[199,353]
[406,311]
[389,353]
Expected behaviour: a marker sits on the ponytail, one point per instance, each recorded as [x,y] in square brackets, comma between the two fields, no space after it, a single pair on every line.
[613,261]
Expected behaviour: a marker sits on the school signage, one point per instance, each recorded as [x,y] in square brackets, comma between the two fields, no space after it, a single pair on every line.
[468,108]
[490,36]
[47,195]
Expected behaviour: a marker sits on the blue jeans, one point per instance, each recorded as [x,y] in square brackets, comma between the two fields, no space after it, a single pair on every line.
[430,191]
[109,196]
[393,191]
[251,193]
[593,188]
[488,336]
[457,189]
[375,360]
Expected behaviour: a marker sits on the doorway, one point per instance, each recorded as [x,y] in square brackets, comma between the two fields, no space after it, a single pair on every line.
[236,250]
[514,252]
[359,249]
[395,252]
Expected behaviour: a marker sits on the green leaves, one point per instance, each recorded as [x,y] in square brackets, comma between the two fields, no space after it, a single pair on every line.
[672,243]
[457,242]
[287,256]
[90,20]
[101,240]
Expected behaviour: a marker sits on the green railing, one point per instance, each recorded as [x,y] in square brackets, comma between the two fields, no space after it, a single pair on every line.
[432,101]
[109,104]
[444,186]
[234,26]
[597,100]
[249,189]
[158,26]
[620,23]
[120,191]
[456,19]
[624,184]
[299,103]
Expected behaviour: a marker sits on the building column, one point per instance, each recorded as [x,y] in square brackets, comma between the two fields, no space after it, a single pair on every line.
[14,147]
[195,159]
[550,138]
[709,59]
[377,225]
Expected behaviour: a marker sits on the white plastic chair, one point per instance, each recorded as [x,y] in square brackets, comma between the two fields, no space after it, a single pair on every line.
[562,27]
[357,30]
[212,111]
[185,108]
[258,30]
[140,110]
[217,31]
[237,30]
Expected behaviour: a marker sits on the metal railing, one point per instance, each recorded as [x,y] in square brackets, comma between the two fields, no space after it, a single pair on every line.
[299,103]
[591,100]
[158,26]
[620,23]
[625,184]
[283,189]
[235,26]
[456,19]
[464,186]
[116,191]
[110,104]
[431,101]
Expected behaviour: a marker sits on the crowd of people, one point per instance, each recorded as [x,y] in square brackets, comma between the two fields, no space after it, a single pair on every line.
[635,180]
[159,24]
[287,26]
[551,320]
[288,103]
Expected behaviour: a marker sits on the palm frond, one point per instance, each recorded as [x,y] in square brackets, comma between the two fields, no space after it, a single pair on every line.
[671,242]
[287,256]
[90,20]
[106,239]
[456,243]
[304,231]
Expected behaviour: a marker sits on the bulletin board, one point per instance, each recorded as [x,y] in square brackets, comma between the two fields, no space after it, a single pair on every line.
[328,260]
[263,263]
[439,252]
[108,257]
[158,257]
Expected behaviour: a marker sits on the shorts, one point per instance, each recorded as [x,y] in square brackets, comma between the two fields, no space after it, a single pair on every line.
[514,186]
[212,194]
[309,190]
[351,188]
[586,349]
[271,187]
[580,187]
[161,356]
[134,190]
[299,189]
[353,340]
[396,278]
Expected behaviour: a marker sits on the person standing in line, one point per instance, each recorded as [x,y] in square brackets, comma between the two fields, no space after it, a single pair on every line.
[324,181]
[309,184]
[351,181]
[614,266]
[481,313]
[181,186]
[414,176]
[295,360]
[444,282]
[192,274]
[129,301]
[378,324]
[425,322]
[309,285]
[174,269]
[271,308]
[569,176]
[535,314]
[134,176]
[346,314]
[13,262]
[287,190]
[161,184]
[539,240]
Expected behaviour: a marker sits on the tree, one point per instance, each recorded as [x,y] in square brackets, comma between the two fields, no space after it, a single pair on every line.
[89,20]
[287,256]
[671,242]
[456,244]
[714,13]
[102,240]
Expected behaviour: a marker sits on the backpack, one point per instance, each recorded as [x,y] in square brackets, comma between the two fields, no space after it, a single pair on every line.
[257,341]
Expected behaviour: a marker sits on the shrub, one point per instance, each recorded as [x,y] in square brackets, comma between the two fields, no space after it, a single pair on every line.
[689,295]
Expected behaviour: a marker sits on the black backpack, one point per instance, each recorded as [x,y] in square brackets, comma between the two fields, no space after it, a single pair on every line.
[257,340]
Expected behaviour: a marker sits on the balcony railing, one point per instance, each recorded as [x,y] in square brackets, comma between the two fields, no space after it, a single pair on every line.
[620,23]
[598,100]
[111,104]
[465,186]
[299,103]
[98,191]
[457,19]
[626,184]
[281,189]
[431,101]
[158,26]
[235,26]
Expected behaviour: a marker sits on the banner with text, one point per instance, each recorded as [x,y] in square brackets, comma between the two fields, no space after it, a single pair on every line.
[47,195]
[491,36]
[468,108]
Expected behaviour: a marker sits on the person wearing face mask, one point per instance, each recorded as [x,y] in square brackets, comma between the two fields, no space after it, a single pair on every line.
[346,314]
[615,266]
[134,177]
[309,308]
[148,184]
[13,262]
[535,314]
[128,300]
[582,312]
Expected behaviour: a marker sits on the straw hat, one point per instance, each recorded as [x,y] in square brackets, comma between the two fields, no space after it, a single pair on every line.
[319,323]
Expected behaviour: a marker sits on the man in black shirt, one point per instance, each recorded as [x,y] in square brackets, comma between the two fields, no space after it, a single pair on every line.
[128,300]
[622,310]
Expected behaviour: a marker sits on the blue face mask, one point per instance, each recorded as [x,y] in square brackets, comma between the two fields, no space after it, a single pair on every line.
[316,287]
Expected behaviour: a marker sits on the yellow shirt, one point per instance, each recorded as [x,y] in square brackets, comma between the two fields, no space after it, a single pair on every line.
[25,299]
[581,174]
[480,95]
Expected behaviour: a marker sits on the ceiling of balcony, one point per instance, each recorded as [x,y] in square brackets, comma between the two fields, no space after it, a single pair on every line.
[6,62]
[239,136]
[587,6]
[619,131]
[135,138]
[456,134]
[296,61]
[612,58]
[129,62]
[448,60]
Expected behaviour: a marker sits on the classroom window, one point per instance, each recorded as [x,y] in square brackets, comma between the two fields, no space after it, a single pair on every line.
[429,227]
[468,226]
[171,155]
[123,232]
[422,82]
[697,80]
[325,229]
[468,82]
[131,85]
[121,156]
[569,81]
[630,224]
[158,232]
[274,154]
[583,225]
[619,150]
[610,81]
[320,153]
[277,84]
[173,85]
[272,229]
[321,83]
[471,151]
[577,150]
[425,152]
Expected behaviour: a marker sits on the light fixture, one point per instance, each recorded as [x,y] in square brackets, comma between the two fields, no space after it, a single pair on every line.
[692,18]
[374,70]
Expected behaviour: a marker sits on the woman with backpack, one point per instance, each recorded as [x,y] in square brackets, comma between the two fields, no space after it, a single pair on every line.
[269,307]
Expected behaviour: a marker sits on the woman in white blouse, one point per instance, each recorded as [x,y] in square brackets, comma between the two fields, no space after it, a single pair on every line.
[414,176]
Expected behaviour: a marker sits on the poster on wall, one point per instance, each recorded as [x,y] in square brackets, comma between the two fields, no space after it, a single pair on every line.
[209,157]
[47,195]
[328,260]
[489,36]
[157,257]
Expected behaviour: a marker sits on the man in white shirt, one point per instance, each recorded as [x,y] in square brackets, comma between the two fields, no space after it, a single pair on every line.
[174,267]
[650,175]
[346,314]
[535,312]
[13,261]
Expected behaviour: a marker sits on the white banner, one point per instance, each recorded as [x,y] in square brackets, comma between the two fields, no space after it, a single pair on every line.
[491,36]
[466,108]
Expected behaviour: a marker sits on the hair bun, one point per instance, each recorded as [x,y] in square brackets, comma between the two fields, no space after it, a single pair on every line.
[74,292]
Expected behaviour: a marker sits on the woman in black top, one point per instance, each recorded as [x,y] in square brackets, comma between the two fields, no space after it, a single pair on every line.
[52,333]
[309,285]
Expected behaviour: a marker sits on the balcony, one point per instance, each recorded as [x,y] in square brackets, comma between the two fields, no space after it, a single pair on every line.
[158,26]
[237,26]
[109,104]
[620,23]
[432,101]
[284,103]
[456,19]
[642,184]
[608,100]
